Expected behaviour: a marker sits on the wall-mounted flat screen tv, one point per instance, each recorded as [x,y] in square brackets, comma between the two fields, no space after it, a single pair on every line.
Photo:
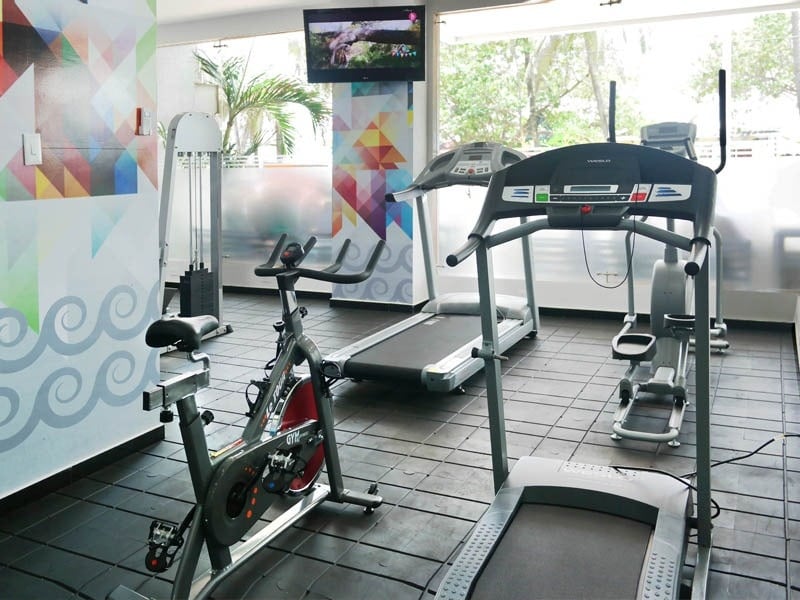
[384,43]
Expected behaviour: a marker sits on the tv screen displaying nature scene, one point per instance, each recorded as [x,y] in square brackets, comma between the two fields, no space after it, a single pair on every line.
[377,44]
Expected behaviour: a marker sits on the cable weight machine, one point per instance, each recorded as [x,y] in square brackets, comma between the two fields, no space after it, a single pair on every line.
[194,153]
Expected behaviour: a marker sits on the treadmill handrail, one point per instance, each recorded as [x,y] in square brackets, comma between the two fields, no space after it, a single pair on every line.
[418,191]
[410,193]
[443,175]
[698,246]
[650,231]
[698,253]
[465,251]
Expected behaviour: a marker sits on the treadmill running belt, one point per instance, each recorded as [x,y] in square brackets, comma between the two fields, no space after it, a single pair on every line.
[403,356]
[555,552]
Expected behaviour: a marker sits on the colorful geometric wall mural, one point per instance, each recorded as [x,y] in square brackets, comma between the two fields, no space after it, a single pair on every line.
[372,147]
[78,233]
[78,75]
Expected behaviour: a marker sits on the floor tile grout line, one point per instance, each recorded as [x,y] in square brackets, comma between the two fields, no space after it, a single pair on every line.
[786,525]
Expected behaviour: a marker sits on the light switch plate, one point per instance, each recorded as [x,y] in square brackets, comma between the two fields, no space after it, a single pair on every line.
[32,148]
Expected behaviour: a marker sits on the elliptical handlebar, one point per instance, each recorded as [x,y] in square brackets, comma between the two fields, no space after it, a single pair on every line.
[723,119]
[612,111]
[327,274]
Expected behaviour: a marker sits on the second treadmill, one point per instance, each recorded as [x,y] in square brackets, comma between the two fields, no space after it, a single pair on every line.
[434,347]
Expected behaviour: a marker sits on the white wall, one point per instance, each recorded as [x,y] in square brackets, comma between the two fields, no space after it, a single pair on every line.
[78,239]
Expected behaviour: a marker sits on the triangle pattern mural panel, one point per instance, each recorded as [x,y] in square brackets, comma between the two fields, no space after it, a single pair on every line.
[369,157]
[74,52]
[372,150]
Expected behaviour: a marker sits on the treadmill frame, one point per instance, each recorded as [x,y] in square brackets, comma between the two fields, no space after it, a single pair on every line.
[455,368]
[481,241]
[663,503]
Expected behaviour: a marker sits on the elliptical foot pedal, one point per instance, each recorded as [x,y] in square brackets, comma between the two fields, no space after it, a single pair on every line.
[638,347]
[679,322]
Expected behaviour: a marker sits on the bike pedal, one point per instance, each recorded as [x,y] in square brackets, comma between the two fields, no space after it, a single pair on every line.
[165,539]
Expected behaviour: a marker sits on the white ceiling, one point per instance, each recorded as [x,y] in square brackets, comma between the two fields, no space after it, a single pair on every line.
[181,11]
[175,11]
[527,19]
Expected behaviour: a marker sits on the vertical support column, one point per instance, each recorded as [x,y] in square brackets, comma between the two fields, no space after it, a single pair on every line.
[530,276]
[494,383]
[703,435]
[426,242]
[215,201]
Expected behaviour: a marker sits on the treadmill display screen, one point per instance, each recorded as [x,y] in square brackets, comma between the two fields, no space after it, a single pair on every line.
[596,171]
[588,189]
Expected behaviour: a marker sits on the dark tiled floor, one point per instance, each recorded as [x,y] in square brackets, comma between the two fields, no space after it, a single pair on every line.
[430,454]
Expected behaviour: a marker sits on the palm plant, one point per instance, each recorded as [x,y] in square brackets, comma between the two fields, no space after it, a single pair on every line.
[247,101]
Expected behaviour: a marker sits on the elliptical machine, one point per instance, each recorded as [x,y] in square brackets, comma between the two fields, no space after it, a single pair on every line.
[666,348]
[288,437]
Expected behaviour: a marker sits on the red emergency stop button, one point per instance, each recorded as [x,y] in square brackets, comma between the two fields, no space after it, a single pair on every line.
[586,209]
[638,196]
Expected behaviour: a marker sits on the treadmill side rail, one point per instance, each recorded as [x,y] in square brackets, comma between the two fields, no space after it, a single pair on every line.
[661,502]
[455,368]
[462,576]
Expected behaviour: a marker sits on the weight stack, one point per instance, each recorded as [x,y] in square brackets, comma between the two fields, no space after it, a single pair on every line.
[198,290]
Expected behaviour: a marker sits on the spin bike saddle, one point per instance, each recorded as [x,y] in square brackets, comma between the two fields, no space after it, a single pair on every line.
[185,333]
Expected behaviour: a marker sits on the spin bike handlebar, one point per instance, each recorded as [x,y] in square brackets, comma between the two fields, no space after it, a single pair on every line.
[329,273]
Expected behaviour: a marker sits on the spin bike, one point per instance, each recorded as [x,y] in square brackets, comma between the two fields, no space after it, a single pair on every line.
[288,437]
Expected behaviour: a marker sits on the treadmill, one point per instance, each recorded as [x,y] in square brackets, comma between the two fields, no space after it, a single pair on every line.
[434,346]
[561,529]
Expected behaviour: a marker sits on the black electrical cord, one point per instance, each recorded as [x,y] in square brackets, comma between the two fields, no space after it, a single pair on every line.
[682,478]
[619,468]
[586,259]
[782,436]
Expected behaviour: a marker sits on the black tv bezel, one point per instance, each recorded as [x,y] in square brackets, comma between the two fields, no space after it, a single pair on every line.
[370,13]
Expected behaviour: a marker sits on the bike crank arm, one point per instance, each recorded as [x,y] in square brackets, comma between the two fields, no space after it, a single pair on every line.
[246,482]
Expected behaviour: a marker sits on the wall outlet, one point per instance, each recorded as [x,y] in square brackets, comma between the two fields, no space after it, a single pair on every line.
[145,122]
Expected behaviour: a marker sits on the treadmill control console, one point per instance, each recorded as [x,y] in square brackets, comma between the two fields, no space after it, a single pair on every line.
[597,185]
[470,164]
[598,194]
[474,165]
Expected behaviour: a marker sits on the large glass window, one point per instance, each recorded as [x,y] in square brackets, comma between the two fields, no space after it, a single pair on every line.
[264,161]
[548,90]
